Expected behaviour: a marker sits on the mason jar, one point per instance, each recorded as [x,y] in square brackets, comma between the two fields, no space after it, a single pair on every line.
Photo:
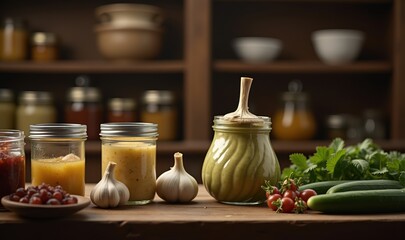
[132,146]
[121,110]
[58,155]
[13,40]
[12,161]
[240,159]
[7,109]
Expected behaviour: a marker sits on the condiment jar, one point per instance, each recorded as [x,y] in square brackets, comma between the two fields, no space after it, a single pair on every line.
[44,46]
[337,126]
[294,119]
[7,109]
[133,147]
[12,161]
[34,107]
[239,161]
[13,40]
[160,107]
[58,155]
[374,124]
[84,106]
[121,110]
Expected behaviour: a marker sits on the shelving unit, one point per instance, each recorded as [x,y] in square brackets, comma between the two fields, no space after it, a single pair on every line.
[198,62]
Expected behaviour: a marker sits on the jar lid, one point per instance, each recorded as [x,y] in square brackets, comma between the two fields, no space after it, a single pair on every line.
[13,22]
[36,97]
[58,130]
[129,129]
[84,94]
[158,97]
[337,121]
[121,104]
[43,38]
[6,95]
[11,135]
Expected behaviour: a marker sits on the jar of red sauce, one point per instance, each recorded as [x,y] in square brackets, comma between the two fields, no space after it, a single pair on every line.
[12,161]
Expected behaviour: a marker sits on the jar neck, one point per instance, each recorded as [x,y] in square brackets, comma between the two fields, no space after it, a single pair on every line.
[222,125]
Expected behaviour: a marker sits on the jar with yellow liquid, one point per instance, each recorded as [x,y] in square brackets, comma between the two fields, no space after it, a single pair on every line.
[58,155]
[132,146]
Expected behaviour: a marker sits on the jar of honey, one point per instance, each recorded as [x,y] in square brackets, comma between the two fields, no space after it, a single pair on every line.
[159,106]
[121,110]
[58,155]
[7,109]
[294,119]
[44,46]
[13,40]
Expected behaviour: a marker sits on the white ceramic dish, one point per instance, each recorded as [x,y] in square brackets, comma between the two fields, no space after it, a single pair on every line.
[257,49]
[45,211]
[337,46]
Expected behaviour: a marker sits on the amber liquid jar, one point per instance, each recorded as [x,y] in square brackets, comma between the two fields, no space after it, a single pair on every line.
[84,107]
[44,47]
[13,40]
[160,107]
[7,109]
[121,110]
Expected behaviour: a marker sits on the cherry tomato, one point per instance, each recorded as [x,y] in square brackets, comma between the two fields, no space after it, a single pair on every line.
[270,190]
[306,194]
[290,194]
[289,184]
[271,199]
[287,205]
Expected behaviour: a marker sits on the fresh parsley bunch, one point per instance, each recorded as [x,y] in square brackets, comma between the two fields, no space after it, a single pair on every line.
[363,161]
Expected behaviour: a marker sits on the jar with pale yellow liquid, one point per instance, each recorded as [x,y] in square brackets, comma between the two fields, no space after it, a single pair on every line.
[58,155]
[132,146]
[13,40]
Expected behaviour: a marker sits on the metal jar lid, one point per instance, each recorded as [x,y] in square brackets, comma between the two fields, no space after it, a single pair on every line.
[121,104]
[58,130]
[6,95]
[158,97]
[84,94]
[129,129]
[36,97]
[44,38]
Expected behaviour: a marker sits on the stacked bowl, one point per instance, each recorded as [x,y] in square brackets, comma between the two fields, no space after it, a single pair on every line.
[127,31]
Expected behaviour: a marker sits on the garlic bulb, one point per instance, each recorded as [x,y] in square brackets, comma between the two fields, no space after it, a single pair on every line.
[176,185]
[109,192]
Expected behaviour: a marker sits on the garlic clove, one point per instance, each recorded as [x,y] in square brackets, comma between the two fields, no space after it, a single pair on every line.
[176,185]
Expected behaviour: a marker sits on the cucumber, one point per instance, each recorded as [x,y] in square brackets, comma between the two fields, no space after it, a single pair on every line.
[365,185]
[364,201]
[321,187]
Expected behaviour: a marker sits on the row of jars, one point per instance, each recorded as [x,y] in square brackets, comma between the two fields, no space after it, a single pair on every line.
[84,106]
[58,157]
[17,43]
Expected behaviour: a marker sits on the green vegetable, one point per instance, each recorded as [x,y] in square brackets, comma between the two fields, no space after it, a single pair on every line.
[364,161]
[365,185]
[365,201]
[321,187]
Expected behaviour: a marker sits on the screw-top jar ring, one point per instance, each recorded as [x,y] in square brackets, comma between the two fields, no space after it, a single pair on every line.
[59,130]
[139,129]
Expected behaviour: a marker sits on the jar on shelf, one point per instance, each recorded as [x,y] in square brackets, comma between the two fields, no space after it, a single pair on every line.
[12,161]
[337,126]
[84,106]
[133,147]
[159,106]
[374,124]
[44,46]
[58,155]
[13,40]
[34,107]
[121,110]
[294,119]
[7,109]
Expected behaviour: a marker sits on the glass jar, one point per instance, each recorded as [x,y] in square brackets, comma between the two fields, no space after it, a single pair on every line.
[12,161]
[337,126]
[84,106]
[7,109]
[160,107]
[44,46]
[34,107]
[133,147]
[58,155]
[374,124]
[294,119]
[13,40]
[121,110]
[239,161]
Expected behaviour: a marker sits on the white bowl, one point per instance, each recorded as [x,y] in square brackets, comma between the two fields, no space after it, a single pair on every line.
[257,49]
[337,46]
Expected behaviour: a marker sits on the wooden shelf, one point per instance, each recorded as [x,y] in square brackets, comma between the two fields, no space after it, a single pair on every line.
[72,66]
[302,67]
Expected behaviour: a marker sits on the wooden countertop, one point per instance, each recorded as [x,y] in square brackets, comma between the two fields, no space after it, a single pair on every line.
[204,218]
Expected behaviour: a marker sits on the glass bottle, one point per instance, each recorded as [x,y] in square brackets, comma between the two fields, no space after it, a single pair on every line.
[133,147]
[294,119]
[44,46]
[7,109]
[34,107]
[239,161]
[12,161]
[13,40]
[58,155]
[160,107]
[121,110]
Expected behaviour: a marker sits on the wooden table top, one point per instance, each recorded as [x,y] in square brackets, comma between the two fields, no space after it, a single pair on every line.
[204,218]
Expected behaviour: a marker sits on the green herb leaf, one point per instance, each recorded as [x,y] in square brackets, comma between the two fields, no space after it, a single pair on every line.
[361,165]
[331,163]
[322,155]
[337,144]
[382,171]
[299,160]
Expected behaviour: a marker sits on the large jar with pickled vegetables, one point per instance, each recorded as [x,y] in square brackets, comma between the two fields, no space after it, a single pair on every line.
[240,157]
